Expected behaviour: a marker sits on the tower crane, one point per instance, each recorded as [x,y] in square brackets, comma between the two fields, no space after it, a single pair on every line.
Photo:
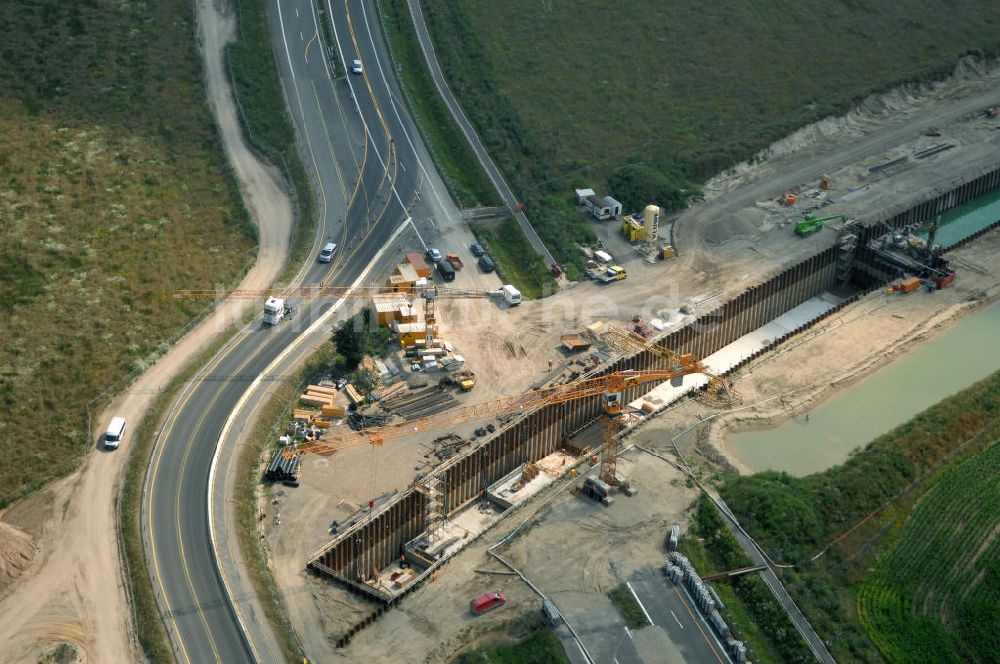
[719,390]
[611,386]
[429,293]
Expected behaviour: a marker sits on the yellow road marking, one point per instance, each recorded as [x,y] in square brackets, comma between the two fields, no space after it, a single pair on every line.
[696,624]
[180,481]
[305,53]
[192,388]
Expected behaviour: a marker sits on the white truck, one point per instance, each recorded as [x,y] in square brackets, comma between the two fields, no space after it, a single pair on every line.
[275,310]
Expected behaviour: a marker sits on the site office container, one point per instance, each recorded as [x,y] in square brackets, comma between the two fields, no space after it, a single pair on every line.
[486,602]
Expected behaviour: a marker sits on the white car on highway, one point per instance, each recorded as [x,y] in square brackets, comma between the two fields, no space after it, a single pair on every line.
[356,67]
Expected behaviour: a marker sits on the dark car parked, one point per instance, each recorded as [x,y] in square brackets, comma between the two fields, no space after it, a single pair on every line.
[486,264]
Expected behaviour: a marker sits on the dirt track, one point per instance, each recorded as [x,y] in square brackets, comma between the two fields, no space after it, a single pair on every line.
[72,590]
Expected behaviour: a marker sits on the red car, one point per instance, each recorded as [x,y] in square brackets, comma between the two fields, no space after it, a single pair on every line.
[487,602]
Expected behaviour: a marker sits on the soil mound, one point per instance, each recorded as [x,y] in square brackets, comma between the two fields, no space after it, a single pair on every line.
[17,550]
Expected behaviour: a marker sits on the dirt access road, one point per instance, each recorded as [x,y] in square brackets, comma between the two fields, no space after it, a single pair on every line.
[63,539]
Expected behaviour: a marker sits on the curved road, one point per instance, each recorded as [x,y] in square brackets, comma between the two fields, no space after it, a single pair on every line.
[368,166]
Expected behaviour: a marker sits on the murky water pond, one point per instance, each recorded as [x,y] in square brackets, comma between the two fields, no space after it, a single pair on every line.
[967,352]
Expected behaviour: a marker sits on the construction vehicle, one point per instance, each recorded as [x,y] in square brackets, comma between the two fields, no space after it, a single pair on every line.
[464,378]
[810,223]
[613,273]
[906,286]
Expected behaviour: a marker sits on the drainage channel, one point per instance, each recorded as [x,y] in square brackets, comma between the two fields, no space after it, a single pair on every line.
[393,540]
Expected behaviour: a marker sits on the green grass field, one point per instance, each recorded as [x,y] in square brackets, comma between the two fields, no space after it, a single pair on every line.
[896,512]
[569,94]
[755,614]
[113,192]
[540,647]
[517,262]
[628,607]
[452,154]
[934,593]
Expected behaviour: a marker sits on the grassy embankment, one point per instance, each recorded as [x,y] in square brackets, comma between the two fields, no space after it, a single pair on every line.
[628,607]
[113,192]
[455,160]
[149,623]
[649,97]
[272,420]
[452,154]
[916,514]
[516,260]
[754,614]
[540,647]
[266,121]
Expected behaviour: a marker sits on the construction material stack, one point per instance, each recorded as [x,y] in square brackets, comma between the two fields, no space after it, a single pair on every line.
[283,467]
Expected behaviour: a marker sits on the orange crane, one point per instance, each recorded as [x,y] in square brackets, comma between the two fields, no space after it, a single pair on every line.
[719,390]
[611,386]
[430,294]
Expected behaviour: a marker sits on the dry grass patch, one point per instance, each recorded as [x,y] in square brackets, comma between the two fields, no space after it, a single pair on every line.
[113,192]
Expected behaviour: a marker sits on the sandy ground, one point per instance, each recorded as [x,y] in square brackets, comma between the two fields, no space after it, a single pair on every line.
[62,539]
[573,548]
[861,339]
[738,236]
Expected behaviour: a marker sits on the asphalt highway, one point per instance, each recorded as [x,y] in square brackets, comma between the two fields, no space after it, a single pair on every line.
[367,166]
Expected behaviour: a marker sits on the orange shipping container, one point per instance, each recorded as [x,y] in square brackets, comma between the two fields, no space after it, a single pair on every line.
[910,285]
[419,264]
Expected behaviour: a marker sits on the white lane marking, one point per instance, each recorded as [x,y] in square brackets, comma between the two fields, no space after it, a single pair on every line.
[301,36]
[395,110]
[357,106]
[246,397]
[288,54]
[675,618]
[296,12]
[644,611]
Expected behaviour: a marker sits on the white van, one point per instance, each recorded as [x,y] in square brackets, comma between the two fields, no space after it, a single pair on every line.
[326,253]
[511,295]
[116,431]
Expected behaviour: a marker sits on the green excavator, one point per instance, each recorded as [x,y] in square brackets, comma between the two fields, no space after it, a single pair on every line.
[810,223]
